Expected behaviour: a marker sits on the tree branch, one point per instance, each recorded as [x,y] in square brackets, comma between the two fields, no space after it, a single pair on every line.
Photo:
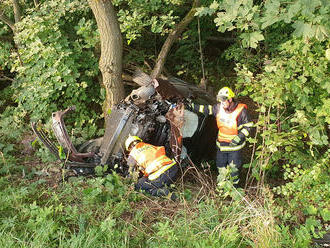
[36,3]
[222,39]
[4,78]
[11,24]
[172,37]
[17,11]
[7,21]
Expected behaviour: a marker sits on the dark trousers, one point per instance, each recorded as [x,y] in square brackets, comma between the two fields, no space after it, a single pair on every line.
[158,187]
[226,158]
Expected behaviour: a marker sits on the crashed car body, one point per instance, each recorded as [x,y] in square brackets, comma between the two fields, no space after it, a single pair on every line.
[155,112]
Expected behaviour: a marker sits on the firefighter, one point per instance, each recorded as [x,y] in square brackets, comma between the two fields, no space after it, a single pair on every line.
[233,128]
[159,171]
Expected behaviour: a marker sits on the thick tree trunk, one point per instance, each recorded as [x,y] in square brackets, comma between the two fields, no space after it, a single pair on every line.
[172,37]
[111,51]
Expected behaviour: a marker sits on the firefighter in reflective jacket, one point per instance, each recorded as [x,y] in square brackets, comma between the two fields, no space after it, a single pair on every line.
[159,170]
[234,126]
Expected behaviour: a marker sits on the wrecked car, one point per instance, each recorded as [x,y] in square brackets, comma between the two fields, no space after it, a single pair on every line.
[155,112]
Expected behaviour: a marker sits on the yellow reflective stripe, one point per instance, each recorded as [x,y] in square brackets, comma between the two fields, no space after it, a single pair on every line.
[230,148]
[201,108]
[210,110]
[156,164]
[249,124]
[157,174]
[223,139]
[226,135]
[245,132]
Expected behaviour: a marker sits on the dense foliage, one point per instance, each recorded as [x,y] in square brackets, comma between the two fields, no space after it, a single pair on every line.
[287,76]
[277,55]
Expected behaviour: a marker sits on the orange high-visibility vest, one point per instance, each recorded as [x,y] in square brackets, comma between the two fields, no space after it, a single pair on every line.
[227,123]
[150,158]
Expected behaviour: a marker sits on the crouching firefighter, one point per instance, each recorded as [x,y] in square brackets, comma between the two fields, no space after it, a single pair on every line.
[233,128]
[159,171]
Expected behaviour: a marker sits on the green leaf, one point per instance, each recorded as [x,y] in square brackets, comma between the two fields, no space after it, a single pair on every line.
[293,10]
[271,13]
[321,32]
[325,213]
[303,29]
[327,54]
[99,170]
[311,210]
[204,11]
[61,153]
[251,39]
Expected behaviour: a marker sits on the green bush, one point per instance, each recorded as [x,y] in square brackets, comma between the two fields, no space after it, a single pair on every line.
[59,67]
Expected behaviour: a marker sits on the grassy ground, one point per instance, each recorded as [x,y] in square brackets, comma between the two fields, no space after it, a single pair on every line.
[39,209]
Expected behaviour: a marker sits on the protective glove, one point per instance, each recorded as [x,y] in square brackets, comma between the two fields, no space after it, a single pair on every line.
[235,141]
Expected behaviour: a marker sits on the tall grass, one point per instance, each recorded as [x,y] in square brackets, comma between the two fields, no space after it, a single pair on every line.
[38,211]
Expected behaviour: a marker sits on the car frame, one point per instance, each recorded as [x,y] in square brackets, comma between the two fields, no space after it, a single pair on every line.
[155,112]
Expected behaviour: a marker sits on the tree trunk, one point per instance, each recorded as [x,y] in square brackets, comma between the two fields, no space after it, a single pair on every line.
[17,11]
[172,37]
[111,51]
[6,20]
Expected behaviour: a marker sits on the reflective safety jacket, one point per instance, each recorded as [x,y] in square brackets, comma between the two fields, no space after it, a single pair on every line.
[227,123]
[230,124]
[151,160]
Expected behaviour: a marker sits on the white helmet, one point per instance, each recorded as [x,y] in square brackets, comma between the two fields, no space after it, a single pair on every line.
[130,140]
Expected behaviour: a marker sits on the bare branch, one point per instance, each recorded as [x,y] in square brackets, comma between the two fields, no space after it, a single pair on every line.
[172,37]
